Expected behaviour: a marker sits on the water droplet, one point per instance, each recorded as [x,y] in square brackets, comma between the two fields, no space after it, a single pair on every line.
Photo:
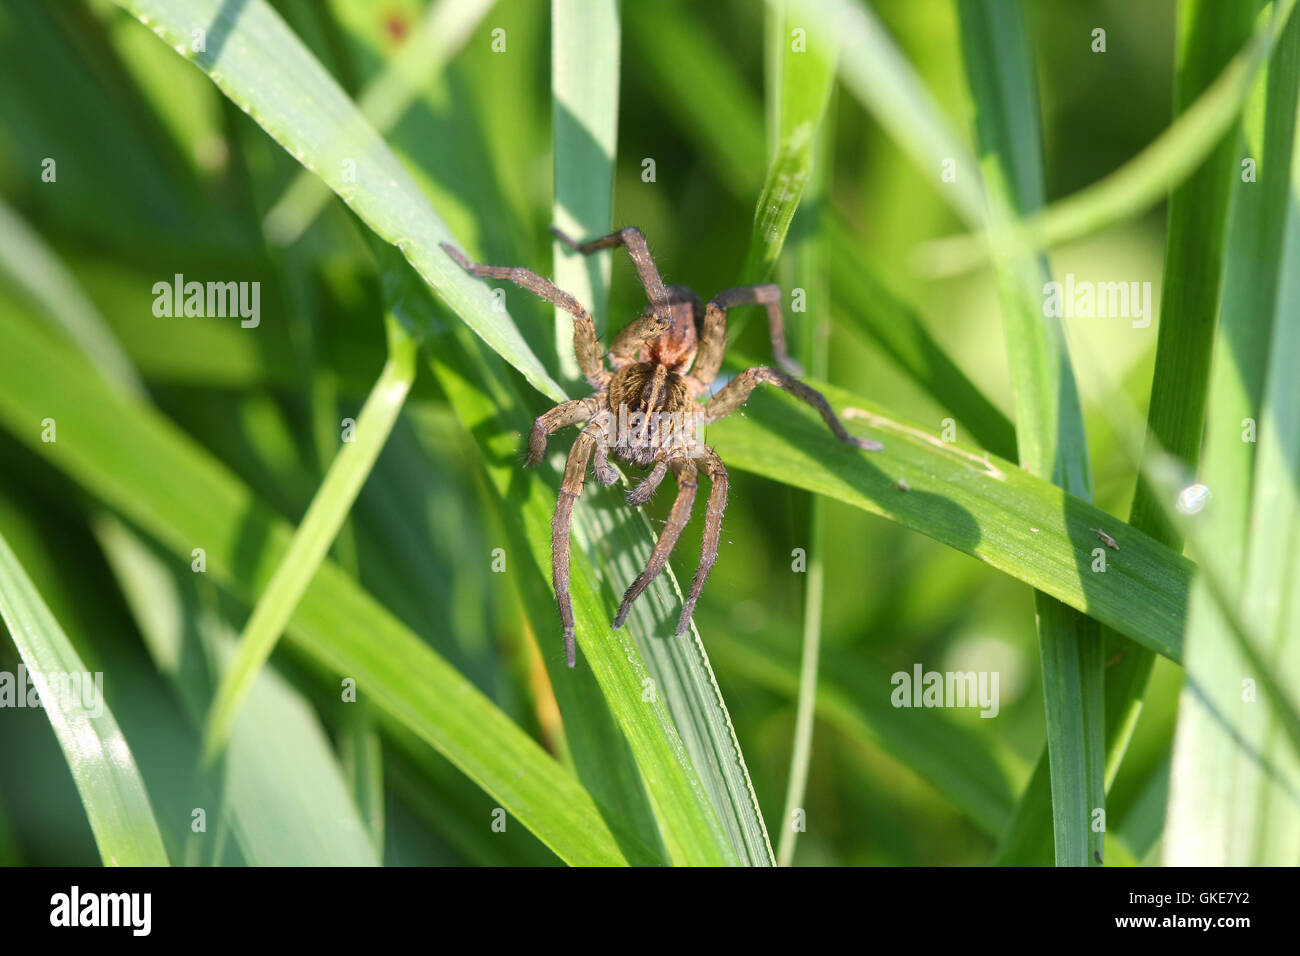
[1193,498]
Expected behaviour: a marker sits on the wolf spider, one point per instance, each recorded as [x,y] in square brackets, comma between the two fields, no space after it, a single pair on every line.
[654,380]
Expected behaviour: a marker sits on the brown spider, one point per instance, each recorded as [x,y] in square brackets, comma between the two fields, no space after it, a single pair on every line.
[645,409]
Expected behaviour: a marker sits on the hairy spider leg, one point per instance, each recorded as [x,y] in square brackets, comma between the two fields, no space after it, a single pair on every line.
[713,335]
[713,511]
[687,485]
[634,241]
[586,345]
[561,416]
[575,476]
[647,486]
[606,474]
[737,391]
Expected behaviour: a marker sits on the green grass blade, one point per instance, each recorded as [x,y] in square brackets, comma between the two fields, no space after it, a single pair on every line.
[99,757]
[133,460]
[805,76]
[314,536]
[801,53]
[969,500]
[585,62]
[1233,798]
[264,68]
[1049,418]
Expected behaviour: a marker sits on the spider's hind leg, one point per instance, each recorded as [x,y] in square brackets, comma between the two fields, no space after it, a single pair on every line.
[575,476]
[687,484]
[717,472]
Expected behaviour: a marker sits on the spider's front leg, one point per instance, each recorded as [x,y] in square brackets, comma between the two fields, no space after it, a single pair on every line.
[586,345]
[575,476]
[737,392]
[605,473]
[634,241]
[713,331]
[561,416]
[648,485]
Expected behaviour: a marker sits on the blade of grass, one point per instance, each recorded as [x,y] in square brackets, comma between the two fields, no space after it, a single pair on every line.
[1049,418]
[257,61]
[801,77]
[102,766]
[585,62]
[804,78]
[133,460]
[1233,798]
[969,500]
[314,536]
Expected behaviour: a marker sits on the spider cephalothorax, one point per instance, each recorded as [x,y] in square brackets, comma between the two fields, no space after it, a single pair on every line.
[646,409]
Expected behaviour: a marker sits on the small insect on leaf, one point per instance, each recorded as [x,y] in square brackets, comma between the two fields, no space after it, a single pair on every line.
[1105,538]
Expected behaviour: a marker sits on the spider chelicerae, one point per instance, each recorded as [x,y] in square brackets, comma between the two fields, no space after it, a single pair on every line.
[645,409]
